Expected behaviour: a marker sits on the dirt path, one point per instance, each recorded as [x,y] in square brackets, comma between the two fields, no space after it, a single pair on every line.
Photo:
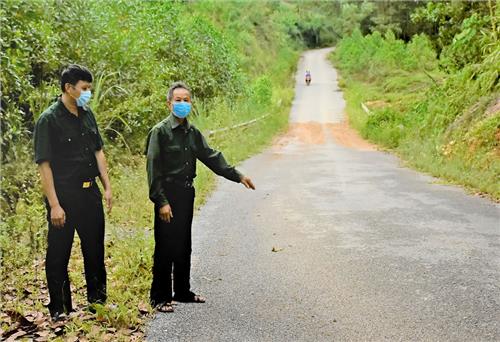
[317,115]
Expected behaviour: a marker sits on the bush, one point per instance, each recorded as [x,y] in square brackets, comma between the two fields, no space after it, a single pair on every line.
[385,126]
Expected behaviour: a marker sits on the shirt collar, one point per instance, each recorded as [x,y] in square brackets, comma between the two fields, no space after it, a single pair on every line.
[64,111]
[174,123]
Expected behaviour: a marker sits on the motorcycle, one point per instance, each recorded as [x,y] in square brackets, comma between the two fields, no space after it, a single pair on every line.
[308,79]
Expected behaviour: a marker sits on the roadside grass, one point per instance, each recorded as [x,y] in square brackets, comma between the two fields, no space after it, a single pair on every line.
[395,103]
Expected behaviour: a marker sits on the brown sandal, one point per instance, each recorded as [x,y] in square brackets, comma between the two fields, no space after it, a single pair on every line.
[165,307]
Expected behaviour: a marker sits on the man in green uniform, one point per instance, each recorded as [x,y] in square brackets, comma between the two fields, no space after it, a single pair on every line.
[68,151]
[172,149]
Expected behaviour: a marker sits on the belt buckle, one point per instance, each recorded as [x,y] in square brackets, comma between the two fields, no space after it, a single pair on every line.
[86,185]
[187,184]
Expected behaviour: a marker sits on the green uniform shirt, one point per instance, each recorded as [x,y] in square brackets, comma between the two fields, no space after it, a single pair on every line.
[172,150]
[68,142]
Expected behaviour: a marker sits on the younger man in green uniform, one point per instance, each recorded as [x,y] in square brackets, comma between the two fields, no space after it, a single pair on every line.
[172,149]
[68,151]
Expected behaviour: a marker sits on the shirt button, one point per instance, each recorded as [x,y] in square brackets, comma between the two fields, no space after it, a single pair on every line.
[83,134]
[187,163]
[90,164]
[86,148]
[185,148]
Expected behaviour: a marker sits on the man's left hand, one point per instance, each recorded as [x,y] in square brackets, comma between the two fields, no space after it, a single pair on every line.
[247,182]
[108,197]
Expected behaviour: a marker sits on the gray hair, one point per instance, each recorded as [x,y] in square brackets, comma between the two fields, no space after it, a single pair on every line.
[176,85]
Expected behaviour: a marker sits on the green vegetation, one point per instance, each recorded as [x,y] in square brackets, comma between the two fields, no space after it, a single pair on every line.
[238,69]
[434,99]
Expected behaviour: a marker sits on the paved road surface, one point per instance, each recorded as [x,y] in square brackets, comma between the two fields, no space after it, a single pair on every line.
[364,249]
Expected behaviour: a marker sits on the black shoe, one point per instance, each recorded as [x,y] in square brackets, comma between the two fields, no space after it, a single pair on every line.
[58,317]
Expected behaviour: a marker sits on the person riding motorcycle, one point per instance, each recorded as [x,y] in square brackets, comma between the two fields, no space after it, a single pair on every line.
[308,77]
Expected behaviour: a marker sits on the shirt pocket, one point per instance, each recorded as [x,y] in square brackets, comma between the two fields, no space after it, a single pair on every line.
[68,145]
[172,156]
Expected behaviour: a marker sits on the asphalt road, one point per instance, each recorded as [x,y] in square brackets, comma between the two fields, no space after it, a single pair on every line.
[338,244]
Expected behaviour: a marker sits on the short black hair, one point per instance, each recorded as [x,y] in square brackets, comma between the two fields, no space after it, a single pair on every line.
[176,85]
[74,73]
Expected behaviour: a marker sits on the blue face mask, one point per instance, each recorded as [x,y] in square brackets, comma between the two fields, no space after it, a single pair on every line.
[181,109]
[84,98]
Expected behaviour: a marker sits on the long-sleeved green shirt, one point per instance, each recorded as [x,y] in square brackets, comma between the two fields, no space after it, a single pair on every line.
[172,150]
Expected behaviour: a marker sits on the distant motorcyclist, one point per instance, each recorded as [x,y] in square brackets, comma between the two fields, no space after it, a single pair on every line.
[308,77]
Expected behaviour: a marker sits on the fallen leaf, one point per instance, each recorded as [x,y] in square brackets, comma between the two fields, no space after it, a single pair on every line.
[55,325]
[276,249]
[16,335]
[137,337]
[23,321]
[143,308]
[87,317]
[94,331]
[42,333]
[40,318]
[126,332]
[108,337]
[8,297]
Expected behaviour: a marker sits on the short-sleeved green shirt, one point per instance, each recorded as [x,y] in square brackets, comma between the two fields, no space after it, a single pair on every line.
[68,142]
[172,150]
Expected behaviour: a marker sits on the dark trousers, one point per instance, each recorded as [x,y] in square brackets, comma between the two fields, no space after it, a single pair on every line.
[84,212]
[173,247]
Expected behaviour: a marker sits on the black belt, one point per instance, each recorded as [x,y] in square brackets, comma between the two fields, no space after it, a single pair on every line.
[84,184]
[188,183]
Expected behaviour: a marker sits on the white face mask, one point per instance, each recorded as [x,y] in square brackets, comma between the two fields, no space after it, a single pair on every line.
[84,97]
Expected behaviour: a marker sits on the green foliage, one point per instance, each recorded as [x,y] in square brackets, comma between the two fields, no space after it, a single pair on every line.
[386,125]
[377,56]
[262,91]
[445,123]
[442,21]
[238,59]
[468,45]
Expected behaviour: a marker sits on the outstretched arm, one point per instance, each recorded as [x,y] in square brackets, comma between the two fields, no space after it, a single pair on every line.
[216,162]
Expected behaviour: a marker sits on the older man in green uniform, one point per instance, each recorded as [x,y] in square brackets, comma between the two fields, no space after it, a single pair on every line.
[172,149]
[68,151]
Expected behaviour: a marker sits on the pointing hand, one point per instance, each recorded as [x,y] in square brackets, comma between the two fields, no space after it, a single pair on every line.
[247,182]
